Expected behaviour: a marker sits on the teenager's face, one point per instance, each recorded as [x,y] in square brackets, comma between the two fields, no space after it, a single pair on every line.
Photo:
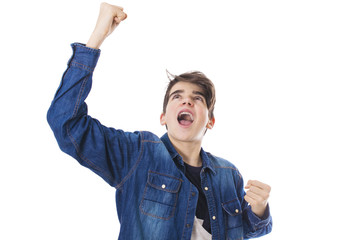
[187,116]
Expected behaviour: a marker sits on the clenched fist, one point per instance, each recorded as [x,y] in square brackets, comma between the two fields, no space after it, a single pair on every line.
[257,196]
[109,18]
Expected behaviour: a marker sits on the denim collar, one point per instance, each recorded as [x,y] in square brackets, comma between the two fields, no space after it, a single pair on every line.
[207,164]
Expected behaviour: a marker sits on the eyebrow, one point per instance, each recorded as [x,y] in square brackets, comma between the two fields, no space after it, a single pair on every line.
[182,91]
[176,92]
[199,93]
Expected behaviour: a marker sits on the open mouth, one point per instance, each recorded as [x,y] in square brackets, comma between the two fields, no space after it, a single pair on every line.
[185,118]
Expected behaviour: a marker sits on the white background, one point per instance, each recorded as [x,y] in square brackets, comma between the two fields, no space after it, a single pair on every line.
[287,113]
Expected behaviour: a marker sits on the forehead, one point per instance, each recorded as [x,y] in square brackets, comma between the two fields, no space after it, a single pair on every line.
[186,87]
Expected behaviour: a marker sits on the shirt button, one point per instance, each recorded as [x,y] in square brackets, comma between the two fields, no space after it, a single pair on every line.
[213,217]
[187,225]
[193,193]
[237,210]
[163,186]
[206,188]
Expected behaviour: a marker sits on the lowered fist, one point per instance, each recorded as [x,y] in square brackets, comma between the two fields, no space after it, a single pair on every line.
[257,196]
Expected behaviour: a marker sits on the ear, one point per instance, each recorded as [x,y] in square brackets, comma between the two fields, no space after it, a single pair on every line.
[162,119]
[211,123]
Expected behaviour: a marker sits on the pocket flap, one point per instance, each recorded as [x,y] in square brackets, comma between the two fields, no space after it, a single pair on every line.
[232,207]
[164,182]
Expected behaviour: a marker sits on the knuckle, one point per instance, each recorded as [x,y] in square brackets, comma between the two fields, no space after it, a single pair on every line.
[267,188]
[104,4]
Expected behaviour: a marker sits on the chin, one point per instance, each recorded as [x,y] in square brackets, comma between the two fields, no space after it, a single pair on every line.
[185,136]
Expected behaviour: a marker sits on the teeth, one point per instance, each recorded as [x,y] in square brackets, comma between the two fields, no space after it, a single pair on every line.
[187,113]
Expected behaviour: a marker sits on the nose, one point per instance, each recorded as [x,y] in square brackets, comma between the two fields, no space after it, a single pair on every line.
[188,102]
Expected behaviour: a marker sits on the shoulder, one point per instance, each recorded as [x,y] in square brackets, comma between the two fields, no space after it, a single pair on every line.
[223,166]
[226,171]
[149,137]
[219,162]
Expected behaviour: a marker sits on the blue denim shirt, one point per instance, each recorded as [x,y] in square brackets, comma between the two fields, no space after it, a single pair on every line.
[154,198]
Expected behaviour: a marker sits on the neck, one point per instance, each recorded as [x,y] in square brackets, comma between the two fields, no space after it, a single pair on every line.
[189,151]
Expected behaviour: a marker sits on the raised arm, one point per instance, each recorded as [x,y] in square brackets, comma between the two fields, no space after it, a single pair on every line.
[110,153]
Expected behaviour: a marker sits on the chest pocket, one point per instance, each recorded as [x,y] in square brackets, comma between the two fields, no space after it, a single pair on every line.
[160,195]
[233,214]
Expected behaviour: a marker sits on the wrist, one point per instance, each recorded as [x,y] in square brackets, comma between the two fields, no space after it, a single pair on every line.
[259,211]
[95,40]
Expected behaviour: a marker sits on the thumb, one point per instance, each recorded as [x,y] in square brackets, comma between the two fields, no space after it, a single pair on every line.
[121,17]
[248,185]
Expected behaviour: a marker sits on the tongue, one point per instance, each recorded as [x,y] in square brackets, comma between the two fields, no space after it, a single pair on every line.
[185,122]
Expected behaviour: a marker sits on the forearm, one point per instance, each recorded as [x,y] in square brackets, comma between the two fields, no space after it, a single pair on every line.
[75,85]
[255,226]
[68,104]
[95,41]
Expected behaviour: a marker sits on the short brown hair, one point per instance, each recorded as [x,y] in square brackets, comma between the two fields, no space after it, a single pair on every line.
[199,79]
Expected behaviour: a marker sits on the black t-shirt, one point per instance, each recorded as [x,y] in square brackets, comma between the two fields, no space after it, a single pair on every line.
[202,211]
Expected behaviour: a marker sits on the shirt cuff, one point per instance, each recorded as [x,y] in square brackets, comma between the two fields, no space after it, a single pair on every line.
[258,222]
[84,57]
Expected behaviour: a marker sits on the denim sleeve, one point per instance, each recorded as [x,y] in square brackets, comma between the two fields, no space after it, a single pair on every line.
[253,225]
[110,153]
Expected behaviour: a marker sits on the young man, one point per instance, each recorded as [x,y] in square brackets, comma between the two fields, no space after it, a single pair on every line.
[169,187]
